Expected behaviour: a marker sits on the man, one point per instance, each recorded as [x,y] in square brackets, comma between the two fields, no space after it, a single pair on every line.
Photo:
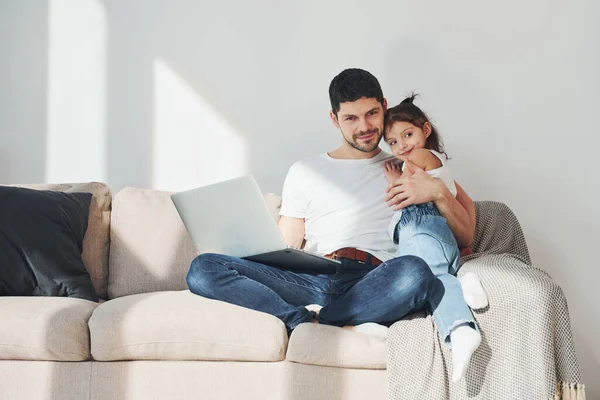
[334,204]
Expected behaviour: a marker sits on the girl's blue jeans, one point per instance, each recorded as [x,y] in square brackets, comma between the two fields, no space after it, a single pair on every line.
[423,232]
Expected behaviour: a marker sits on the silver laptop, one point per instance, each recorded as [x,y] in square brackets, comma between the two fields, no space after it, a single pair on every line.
[232,218]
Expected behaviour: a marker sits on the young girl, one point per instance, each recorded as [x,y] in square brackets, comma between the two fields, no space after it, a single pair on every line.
[420,230]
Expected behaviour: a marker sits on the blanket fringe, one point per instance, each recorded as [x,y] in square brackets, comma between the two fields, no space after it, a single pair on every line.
[570,391]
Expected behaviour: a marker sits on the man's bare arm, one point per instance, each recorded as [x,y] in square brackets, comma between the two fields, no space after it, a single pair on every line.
[460,214]
[292,230]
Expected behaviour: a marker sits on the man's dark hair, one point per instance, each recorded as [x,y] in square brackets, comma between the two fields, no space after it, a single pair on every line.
[352,84]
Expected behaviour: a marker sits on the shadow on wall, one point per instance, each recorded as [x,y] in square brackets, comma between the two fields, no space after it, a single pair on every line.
[129,97]
[590,363]
[217,53]
[23,116]
[227,63]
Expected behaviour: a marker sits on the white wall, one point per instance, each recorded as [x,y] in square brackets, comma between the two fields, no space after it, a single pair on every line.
[175,94]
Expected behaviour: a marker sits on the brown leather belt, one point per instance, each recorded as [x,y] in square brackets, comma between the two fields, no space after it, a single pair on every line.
[351,253]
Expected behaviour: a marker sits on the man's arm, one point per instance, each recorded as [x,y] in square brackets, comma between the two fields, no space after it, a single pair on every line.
[459,213]
[419,187]
[292,230]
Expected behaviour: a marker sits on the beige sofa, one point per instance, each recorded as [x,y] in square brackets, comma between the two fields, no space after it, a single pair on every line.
[150,338]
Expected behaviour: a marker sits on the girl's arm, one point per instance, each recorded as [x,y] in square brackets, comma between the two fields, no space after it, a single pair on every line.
[424,159]
[418,187]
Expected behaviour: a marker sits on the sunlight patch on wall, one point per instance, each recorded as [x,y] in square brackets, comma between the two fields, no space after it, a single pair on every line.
[76,142]
[193,145]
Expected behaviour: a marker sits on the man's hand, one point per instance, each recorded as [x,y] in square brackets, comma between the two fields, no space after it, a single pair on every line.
[414,187]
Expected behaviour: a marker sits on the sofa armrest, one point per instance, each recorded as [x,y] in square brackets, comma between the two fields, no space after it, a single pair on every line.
[497,231]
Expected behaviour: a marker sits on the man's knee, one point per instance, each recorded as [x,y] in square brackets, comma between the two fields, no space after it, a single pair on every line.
[200,277]
[411,274]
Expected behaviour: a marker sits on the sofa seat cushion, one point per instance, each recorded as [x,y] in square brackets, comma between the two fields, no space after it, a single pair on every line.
[336,347]
[183,326]
[45,328]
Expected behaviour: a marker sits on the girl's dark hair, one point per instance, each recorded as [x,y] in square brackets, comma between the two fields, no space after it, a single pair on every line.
[406,111]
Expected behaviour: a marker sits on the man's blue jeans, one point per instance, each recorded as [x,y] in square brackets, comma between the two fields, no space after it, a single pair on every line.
[424,233]
[356,293]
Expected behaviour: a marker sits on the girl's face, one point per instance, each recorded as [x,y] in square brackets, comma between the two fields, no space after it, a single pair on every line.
[404,137]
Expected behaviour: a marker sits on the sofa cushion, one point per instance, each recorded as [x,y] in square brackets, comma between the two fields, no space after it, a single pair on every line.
[45,328]
[336,347]
[150,247]
[96,239]
[41,240]
[183,326]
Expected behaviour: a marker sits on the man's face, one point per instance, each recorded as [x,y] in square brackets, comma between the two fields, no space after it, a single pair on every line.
[361,123]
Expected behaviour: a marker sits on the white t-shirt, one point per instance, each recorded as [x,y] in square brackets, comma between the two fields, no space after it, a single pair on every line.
[342,203]
[442,173]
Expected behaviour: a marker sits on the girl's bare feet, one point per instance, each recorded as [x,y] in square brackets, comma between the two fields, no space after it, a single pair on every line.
[392,170]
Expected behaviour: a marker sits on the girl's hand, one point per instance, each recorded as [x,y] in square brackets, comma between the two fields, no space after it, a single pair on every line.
[416,187]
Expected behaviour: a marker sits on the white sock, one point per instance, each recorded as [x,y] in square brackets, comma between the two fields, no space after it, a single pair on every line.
[465,340]
[473,291]
[369,328]
[314,307]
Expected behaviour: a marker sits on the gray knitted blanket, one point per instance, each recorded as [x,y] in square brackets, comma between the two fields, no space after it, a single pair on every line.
[527,349]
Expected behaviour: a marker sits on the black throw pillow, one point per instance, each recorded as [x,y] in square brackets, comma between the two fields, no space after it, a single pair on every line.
[41,240]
